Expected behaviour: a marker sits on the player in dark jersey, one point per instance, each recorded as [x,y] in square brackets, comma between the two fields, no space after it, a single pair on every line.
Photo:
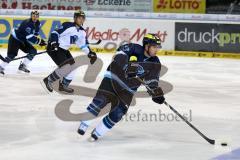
[22,38]
[120,83]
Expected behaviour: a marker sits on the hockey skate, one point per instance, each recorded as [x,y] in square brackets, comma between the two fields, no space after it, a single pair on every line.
[47,84]
[64,88]
[1,71]
[22,68]
[82,128]
[94,136]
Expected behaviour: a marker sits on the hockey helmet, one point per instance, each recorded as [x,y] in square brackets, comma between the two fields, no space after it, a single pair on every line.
[151,39]
[35,12]
[79,14]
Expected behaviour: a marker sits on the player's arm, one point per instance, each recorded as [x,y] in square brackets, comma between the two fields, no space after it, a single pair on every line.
[53,42]
[83,45]
[36,40]
[126,59]
[120,60]
[33,37]
[152,81]
[123,61]
[38,26]
[122,56]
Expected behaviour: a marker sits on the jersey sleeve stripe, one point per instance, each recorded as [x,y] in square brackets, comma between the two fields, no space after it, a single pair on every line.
[29,36]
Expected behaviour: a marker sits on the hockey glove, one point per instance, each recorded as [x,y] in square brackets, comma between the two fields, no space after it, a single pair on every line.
[157,95]
[36,34]
[92,56]
[54,46]
[133,70]
[155,92]
[159,100]
[42,42]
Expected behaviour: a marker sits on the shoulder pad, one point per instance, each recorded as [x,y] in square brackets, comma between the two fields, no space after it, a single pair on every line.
[67,24]
[137,45]
[125,47]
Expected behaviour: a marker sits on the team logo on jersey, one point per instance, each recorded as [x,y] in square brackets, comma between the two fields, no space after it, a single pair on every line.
[73,39]
[28,30]
[125,48]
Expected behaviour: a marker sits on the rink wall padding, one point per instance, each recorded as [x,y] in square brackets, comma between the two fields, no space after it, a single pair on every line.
[179,38]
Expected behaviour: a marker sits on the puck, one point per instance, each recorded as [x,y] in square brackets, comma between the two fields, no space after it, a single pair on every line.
[224,144]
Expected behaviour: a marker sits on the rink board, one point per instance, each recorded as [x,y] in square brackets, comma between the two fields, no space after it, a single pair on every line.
[115,31]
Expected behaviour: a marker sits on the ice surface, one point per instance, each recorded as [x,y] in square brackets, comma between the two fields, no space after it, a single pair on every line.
[210,88]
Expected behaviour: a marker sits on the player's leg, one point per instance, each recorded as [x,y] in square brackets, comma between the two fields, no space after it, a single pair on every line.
[13,47]
[31,52]
[97,104]
[64,67]
[55,56]
[104,95]
[109,121]
[64,84]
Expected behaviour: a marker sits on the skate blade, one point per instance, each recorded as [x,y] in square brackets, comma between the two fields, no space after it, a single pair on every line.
[90,139]
[53,93]
[65,93]
[44,87]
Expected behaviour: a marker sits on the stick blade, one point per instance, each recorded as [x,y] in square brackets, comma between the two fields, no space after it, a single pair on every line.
[99,41]
[96,43]
[211,141]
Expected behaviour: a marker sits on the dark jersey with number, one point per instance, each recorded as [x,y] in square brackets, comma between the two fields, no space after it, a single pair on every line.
[27,31]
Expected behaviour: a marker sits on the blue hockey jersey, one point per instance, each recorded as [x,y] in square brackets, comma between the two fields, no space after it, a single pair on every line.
[116,70]
[27,31]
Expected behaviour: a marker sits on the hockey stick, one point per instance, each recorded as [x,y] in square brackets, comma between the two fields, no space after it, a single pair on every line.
[211,141]
[96,43]
[4,60]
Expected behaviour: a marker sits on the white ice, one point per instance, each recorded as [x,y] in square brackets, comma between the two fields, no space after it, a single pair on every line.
[210,88]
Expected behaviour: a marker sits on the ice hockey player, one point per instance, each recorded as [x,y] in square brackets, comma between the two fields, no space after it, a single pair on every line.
[22,38]
[58,49]
[120,83]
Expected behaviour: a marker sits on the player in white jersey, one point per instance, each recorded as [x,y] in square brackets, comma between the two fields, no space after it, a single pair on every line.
[58,49]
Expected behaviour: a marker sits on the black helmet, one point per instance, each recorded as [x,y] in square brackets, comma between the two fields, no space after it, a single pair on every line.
[79,14]
[151,39]
[35,12]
